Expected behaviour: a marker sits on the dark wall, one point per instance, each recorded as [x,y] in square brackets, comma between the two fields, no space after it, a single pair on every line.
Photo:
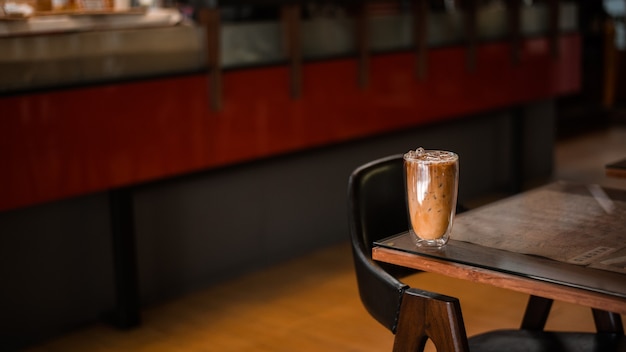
[198,230]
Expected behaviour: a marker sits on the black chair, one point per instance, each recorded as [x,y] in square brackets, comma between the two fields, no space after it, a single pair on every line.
[377,209]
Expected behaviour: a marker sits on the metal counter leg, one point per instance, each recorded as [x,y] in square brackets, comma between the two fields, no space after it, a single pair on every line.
[127,311]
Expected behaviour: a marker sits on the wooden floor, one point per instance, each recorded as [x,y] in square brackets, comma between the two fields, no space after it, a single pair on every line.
[311,304]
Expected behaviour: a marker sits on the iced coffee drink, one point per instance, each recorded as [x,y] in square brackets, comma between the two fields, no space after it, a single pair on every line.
[431,187]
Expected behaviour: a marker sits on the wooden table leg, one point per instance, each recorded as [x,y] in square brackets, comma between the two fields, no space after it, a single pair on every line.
[607,321]
[537,312]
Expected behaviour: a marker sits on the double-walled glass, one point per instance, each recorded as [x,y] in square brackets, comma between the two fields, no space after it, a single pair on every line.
[431,179]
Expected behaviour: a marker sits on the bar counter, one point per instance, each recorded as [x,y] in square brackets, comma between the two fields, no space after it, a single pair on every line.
[91,110]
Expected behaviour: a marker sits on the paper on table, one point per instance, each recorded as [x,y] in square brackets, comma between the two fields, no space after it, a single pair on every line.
[569,223]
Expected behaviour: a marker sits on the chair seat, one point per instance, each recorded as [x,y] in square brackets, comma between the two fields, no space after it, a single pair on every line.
[536,341]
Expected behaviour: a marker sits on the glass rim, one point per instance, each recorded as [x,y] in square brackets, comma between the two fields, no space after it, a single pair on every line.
[449,156]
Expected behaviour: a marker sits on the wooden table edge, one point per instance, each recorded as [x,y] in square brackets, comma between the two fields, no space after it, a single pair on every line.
[503,280]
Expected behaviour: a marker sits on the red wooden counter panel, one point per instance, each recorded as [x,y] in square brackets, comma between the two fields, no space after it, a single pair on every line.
[63,143]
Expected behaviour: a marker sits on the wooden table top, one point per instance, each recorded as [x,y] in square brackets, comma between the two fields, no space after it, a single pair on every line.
[537,275]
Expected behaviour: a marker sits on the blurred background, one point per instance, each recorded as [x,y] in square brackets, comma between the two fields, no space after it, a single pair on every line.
[152,149]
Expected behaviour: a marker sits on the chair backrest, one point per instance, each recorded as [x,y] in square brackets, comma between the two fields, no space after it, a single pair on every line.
[377,190]
[377,209]
[377,196]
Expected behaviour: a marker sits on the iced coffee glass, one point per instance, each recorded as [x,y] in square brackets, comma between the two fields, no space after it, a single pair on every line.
[431,178]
